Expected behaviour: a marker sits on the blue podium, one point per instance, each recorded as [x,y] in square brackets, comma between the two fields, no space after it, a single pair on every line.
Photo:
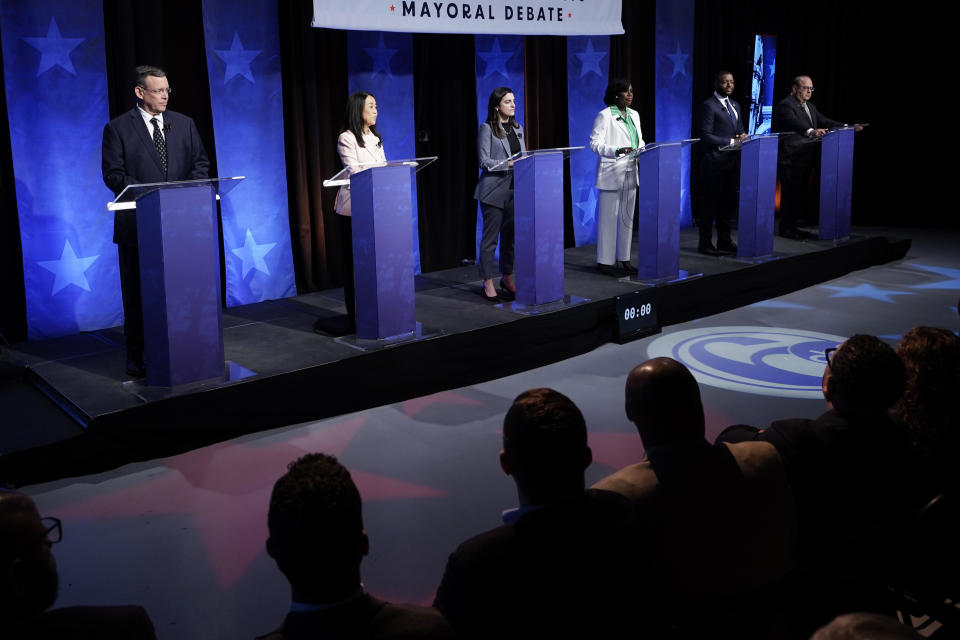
[658,210]
[382,196]
[179,278]
[538,226]
[836,183]
[758,193]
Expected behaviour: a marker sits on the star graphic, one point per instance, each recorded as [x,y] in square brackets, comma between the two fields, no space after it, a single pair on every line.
[953,283]
[252,254]
[495,60]
[224,491]
[866,291]
[68,269]
[679,59]
[779,304]
[588,206]
[590,60]
[238,60]
[54,49]
[381,57]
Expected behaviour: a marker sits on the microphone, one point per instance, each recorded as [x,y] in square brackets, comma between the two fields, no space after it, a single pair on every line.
[167,126]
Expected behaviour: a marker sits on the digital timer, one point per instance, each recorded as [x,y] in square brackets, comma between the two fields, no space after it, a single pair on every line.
[636,315]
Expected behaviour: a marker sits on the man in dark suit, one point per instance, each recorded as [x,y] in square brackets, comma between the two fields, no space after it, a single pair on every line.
[317,539]
[719,124]
[797,115]
[30,581]
[146,144]
[566,563]
[686,486]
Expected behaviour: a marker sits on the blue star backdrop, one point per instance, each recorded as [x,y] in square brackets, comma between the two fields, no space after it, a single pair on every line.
[500,63]
[674,82]
[381,64]
[243,63]
[588,61]
[56,87]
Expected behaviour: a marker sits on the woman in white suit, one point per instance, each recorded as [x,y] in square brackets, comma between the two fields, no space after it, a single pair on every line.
[499,138]
[616,131]
[359,143]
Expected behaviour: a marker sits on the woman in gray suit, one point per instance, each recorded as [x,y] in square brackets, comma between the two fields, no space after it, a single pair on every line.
[500,137]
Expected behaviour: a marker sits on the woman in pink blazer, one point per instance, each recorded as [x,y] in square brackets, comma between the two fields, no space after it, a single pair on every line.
[359,144]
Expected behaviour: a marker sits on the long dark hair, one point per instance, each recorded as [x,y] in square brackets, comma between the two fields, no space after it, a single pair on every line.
[493,118]
[353,122]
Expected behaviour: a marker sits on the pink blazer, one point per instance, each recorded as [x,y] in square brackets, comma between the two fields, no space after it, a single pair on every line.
[352,154]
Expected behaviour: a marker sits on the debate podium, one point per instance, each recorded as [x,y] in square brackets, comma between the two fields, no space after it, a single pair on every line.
[756,206]
[179,249]
[836,183]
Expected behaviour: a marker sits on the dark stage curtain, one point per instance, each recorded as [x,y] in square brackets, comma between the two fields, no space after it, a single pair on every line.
[13,304]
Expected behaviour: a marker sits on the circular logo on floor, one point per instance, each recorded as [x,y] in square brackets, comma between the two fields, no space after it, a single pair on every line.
[763,360]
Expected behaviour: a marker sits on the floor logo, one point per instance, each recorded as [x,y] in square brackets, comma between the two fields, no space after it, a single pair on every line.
[763,360]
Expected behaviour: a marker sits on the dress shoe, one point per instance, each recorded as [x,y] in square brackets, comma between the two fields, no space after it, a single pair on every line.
[708,250]
[135,366]
[505,292]
[335,326]
[624,266]
[493,298]
[727,247]
[793,233]
[608,270]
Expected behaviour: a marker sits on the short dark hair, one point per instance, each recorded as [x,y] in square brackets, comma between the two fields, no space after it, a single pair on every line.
[615,86]
[718,76]
[145,70]
[353,121]
[867,374]
[545,432]
[315,518]
[929,404]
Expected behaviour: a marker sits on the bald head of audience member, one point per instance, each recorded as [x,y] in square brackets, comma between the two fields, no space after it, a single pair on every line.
[29,569]
[663,400]
[316,533]
[545,447]
[865,626]
[864,376]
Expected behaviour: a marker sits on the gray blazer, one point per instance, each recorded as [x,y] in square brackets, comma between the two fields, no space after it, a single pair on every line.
[494,187]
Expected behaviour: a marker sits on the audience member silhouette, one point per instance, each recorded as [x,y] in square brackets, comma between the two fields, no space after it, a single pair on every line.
[566,563]
[317,539]
[930,404]
[30,581]
[723,517]
[865,626]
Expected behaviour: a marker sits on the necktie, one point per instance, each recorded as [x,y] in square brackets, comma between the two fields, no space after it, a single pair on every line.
[161,145]
[726,105]
[806,110]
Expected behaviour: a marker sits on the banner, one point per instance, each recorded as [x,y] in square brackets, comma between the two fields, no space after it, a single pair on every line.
[674,86]
[588,61]
[530,17]
[243,64]
[56,82]
[382,65]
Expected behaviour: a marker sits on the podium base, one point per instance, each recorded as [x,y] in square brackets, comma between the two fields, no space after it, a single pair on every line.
[682,275]
[546,307]
[376,344]
[232,372]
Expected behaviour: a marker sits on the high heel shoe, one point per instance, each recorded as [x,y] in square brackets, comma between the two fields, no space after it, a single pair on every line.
[493,298]
[506,293]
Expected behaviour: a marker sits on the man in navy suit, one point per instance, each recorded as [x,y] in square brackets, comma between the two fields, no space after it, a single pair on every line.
[719,124]
[146,144]
[796,114]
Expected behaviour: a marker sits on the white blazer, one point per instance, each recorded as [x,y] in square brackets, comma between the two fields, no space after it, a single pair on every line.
[609,134]
[352,154]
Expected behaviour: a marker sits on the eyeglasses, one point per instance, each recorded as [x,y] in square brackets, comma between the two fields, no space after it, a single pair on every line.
[157,92]
[803,88]
[828,354]
[52,531]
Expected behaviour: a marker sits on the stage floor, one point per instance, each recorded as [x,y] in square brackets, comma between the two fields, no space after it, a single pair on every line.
[293,374]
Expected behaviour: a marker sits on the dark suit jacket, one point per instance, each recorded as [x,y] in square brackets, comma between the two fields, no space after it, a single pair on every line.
[365,618]
[788,116]
[574,569]
[715,130]
[495,187]
[130,157]
[84,623]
